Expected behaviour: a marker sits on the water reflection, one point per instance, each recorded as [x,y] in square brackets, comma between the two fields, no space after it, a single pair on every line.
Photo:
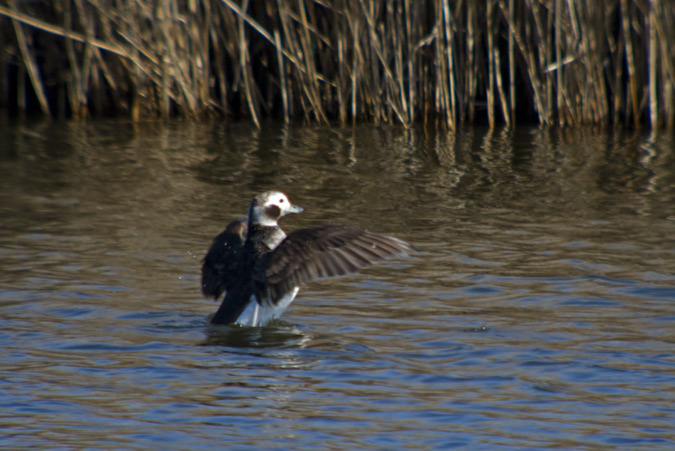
[277,335]
[539,313]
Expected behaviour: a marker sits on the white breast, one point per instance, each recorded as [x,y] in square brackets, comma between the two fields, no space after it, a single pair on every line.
[255,315]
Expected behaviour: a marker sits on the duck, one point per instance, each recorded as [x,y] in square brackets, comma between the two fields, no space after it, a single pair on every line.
[260,269]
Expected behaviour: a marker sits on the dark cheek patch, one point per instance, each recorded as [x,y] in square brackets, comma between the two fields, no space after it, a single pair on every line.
[273,211]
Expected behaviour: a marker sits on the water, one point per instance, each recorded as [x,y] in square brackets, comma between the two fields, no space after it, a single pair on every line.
[540,312]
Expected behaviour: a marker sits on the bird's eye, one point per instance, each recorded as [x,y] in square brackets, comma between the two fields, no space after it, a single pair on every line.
[281,201]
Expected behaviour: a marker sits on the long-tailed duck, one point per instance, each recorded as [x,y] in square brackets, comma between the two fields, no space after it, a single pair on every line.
[260,269]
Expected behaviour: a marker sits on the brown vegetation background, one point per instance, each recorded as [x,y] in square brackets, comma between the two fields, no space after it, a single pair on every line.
[563,62]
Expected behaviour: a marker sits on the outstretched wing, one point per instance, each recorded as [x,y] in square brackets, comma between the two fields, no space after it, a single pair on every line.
[220,264]
[321,252]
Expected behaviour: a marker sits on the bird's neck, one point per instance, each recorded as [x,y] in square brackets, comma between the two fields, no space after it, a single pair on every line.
[262,239]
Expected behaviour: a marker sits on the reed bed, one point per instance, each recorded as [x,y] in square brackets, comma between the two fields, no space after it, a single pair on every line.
[562,62]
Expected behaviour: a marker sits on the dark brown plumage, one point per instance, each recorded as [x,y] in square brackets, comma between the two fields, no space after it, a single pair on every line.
[221,261]
[321,252]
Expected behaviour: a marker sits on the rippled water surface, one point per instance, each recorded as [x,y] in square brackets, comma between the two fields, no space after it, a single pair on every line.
[540,312]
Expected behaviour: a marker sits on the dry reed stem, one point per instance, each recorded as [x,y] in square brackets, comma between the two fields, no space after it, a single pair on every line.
[355,75]
[245,68]
[491,65]
[448,43]
[341,82]
[512,65]
[558,61]
[471,72]
[282,72]
[31,66]
[630,60]
[310,65]
[651,55]
[559,70]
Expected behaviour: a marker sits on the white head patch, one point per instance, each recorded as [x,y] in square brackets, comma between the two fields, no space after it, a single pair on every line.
[267,208]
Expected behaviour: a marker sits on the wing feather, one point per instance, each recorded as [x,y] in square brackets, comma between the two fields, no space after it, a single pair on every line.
[322,252]
[219,266]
